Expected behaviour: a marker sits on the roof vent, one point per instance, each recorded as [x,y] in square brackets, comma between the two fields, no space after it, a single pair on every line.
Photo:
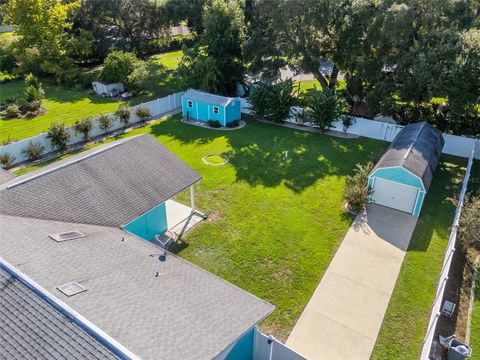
[69,235]
[71,289]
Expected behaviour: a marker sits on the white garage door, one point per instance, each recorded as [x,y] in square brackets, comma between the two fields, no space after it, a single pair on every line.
[394,195]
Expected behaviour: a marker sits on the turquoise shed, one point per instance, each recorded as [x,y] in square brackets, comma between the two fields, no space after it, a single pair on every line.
[203,106]
[402,176]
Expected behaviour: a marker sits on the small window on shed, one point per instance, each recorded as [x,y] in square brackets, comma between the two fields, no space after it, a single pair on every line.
[215,110]
[189,103]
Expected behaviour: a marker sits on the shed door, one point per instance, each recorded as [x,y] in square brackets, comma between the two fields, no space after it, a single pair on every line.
[394,195]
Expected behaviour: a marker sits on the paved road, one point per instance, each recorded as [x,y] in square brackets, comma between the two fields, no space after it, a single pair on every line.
[344,315]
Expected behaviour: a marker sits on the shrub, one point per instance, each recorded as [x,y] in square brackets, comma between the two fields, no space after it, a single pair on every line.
[85,80]
[12,111]
[105,122]
[83,127]
[10,100]
[272,101]
[58,136]
[118,65]
[33,151]
[33,89]
[469,224]
[347,121]
[69,76]
[30,114]
[257,96]
[123,114]
[31,94]
[6,160]
[322,107]
[357,192]
[143,113]
[214,123]
[144,76]
[33,105]
[233,124]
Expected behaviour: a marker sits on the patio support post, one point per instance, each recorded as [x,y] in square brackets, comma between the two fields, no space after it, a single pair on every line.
[192,198]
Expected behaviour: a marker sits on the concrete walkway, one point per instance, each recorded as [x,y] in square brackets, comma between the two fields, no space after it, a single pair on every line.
[344,315]
[180,218]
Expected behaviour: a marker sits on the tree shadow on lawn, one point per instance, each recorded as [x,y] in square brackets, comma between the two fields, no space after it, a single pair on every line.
[268,155]
[437,211]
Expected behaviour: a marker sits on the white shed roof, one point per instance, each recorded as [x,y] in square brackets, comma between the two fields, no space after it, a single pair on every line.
[202,96]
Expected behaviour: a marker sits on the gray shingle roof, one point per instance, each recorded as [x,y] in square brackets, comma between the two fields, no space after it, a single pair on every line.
[213,99]
[32,329]
[5,176]
[183,313]
[110,185]
[417,148]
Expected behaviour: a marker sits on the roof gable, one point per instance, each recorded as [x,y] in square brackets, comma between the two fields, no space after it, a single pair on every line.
[109,186]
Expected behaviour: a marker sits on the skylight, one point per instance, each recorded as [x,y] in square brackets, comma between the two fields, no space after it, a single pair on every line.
[71,289]
[69,235]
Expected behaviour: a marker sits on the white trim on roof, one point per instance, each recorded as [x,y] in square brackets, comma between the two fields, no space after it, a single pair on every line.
[372,174]
[67,310]
[198,95]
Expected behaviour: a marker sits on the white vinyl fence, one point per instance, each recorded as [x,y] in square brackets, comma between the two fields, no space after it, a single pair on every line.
[268,348]
[437,303]
[454,145]
[157,107]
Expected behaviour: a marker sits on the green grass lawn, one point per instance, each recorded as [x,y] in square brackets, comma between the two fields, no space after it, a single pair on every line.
[170,59]
[68,106]
[303,86]
[475,324]
[274,222]
[62,105]
[407,316]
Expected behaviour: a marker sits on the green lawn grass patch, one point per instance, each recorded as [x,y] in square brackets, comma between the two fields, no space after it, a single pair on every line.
[274,222]
[404,326]
[475,322]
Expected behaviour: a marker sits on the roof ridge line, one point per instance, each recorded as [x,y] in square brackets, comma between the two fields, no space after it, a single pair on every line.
[74,161]
[210,94]
[417,135]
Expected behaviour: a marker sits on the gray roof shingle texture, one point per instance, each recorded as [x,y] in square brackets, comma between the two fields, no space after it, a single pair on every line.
[110,185]
[205,97]
[32,329]
[183,313]
[417,148]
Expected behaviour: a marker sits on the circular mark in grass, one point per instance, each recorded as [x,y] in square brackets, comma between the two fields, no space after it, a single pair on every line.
[215,159]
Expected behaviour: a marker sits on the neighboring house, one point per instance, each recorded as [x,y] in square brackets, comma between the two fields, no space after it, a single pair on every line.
[402,176]
[179,30]
[106,89]
[203,106]
[68,228]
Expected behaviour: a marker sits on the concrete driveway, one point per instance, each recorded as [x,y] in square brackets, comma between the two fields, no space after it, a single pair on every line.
[344,315]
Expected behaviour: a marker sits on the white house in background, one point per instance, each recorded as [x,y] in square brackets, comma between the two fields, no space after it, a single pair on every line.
[106,89]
